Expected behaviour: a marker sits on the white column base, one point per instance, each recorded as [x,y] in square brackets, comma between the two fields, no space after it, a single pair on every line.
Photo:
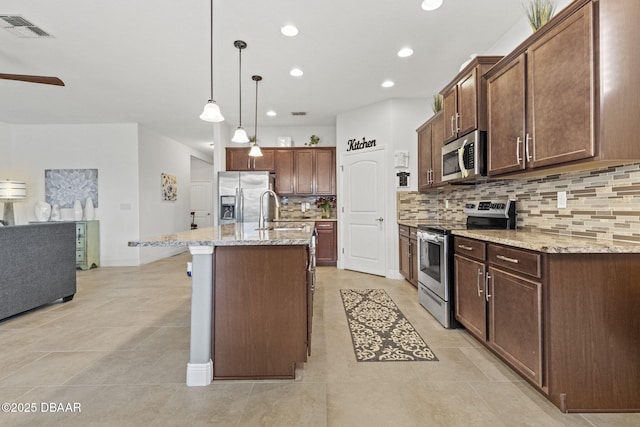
[199,374]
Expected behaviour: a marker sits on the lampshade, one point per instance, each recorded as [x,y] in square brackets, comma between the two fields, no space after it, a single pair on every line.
[13,190]
[431,4]
[240,135]
[255,150]
[211,112]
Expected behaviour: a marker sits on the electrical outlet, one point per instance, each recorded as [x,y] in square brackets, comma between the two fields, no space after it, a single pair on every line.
[562,199]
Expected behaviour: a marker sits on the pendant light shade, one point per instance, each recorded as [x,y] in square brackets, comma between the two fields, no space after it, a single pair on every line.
[255,148]
[240,135]
[211,112]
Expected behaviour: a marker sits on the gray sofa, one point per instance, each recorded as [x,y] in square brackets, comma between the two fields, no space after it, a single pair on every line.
[37,265]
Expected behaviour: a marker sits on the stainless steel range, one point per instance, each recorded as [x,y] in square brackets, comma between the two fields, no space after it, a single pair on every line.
[435,254]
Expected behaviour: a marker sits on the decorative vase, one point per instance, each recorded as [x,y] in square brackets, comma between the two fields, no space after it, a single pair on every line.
[89,210]
[77,210]
[42,211]
[55,213]
[325,212]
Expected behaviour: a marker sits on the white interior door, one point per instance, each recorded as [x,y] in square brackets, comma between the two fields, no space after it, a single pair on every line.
[201,202]
[364,201]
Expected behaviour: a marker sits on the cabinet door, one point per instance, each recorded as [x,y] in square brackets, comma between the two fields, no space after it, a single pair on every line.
[424,157]
[303,168]
[266,162]
[413,261]
[405,250]
[327,247]
[284,171]
[437,141]
[470,295]
[468,103]
[450,110]
[506,118]
[325,171]
[561,92]
[238,159]
[515,330]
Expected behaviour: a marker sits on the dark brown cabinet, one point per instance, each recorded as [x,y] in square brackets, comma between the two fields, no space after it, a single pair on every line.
[306,171]
[238,159]
[284,166]
[327,244]
[464,99]
[430,141]
[408,253]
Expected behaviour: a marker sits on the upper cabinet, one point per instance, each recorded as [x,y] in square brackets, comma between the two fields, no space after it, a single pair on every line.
[238,159]
[430,140]
[560,100]
[464,99]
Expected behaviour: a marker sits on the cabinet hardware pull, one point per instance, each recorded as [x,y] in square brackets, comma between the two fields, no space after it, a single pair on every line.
[466,248]
[528,138]
[480,274]
[504,258]
[452,131]
[457,124]
[248,163]
[518,158]
[487,295]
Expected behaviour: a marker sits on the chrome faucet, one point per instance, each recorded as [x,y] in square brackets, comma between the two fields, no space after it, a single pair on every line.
[261,220]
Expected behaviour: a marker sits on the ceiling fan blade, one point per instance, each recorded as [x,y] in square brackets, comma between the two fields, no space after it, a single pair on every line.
[33,79]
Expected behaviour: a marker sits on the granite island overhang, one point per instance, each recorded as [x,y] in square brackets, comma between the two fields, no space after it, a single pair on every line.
[202,244]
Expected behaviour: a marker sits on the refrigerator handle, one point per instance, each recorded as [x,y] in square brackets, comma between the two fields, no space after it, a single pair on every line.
[240,203]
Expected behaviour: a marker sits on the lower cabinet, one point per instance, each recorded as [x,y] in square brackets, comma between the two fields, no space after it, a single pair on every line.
[87,244]
[327,244]
[408,246]
[566,322]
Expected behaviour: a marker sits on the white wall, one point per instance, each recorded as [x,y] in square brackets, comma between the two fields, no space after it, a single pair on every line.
[268,135]
[157,155]
[112,149]
[201,170]
[392,124]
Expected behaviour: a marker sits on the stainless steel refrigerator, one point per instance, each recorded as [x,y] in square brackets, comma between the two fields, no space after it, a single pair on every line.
[239,196]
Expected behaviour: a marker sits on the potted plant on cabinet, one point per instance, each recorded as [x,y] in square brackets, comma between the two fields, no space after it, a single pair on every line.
[326,203]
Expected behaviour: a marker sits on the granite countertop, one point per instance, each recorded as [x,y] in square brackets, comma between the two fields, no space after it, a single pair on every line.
[234,235]
[550,243]
[304,219]
[413,222]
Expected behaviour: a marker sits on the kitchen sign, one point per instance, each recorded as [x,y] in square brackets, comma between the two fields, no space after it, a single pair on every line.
[354,144]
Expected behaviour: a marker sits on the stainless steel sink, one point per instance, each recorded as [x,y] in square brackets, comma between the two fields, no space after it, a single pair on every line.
[281,228]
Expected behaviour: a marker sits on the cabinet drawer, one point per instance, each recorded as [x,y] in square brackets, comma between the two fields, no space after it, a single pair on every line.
[412,233]
[80,228]
[403,230]
[324,225]
[470,248]
[80,257]
[515,259]
[80,243]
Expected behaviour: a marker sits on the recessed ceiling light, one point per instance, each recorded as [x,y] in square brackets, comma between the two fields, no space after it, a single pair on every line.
[296,72]
[387,83]
[405,52]
[431,4]
[289,30]
[271,113]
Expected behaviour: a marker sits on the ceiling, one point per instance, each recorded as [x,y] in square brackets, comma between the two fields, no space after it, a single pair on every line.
[124,61]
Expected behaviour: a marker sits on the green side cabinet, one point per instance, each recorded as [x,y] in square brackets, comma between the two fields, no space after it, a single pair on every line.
[87,244]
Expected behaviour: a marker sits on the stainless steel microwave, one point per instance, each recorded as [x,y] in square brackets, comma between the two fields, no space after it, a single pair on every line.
[465,158]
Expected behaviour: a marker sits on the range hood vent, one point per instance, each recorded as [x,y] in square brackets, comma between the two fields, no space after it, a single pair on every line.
[21,27]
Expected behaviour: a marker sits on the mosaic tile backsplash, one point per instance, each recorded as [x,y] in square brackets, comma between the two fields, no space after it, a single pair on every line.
[602,204]
[290,208]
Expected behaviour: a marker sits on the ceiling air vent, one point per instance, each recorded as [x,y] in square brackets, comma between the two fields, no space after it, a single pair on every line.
[20,27]
[299,113]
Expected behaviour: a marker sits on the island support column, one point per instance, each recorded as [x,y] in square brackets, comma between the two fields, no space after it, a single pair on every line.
[200,366]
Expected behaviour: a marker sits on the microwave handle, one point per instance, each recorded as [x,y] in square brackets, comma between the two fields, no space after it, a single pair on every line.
[463,171]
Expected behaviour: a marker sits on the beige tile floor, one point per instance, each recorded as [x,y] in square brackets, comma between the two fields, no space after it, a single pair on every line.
[120,349]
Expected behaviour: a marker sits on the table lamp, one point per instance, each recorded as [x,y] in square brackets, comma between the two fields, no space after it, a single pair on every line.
[10,191]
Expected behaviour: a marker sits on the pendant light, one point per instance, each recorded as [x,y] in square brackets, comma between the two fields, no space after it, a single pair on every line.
[211,112]
[240,135]
[431,4]
[255,148]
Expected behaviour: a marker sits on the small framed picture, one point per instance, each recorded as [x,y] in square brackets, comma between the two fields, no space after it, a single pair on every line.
[284,141]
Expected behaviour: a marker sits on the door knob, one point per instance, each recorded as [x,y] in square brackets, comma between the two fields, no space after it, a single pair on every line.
[380,219]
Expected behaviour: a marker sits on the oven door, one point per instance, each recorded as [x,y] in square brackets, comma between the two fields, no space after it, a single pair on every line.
[433,263]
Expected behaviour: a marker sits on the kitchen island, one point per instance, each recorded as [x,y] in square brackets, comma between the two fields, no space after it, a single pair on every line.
[251,299]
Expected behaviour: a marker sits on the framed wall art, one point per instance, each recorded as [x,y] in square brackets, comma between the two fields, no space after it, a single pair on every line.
[169,187]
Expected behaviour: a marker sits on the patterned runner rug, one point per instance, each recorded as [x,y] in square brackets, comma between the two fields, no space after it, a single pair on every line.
[379,330]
